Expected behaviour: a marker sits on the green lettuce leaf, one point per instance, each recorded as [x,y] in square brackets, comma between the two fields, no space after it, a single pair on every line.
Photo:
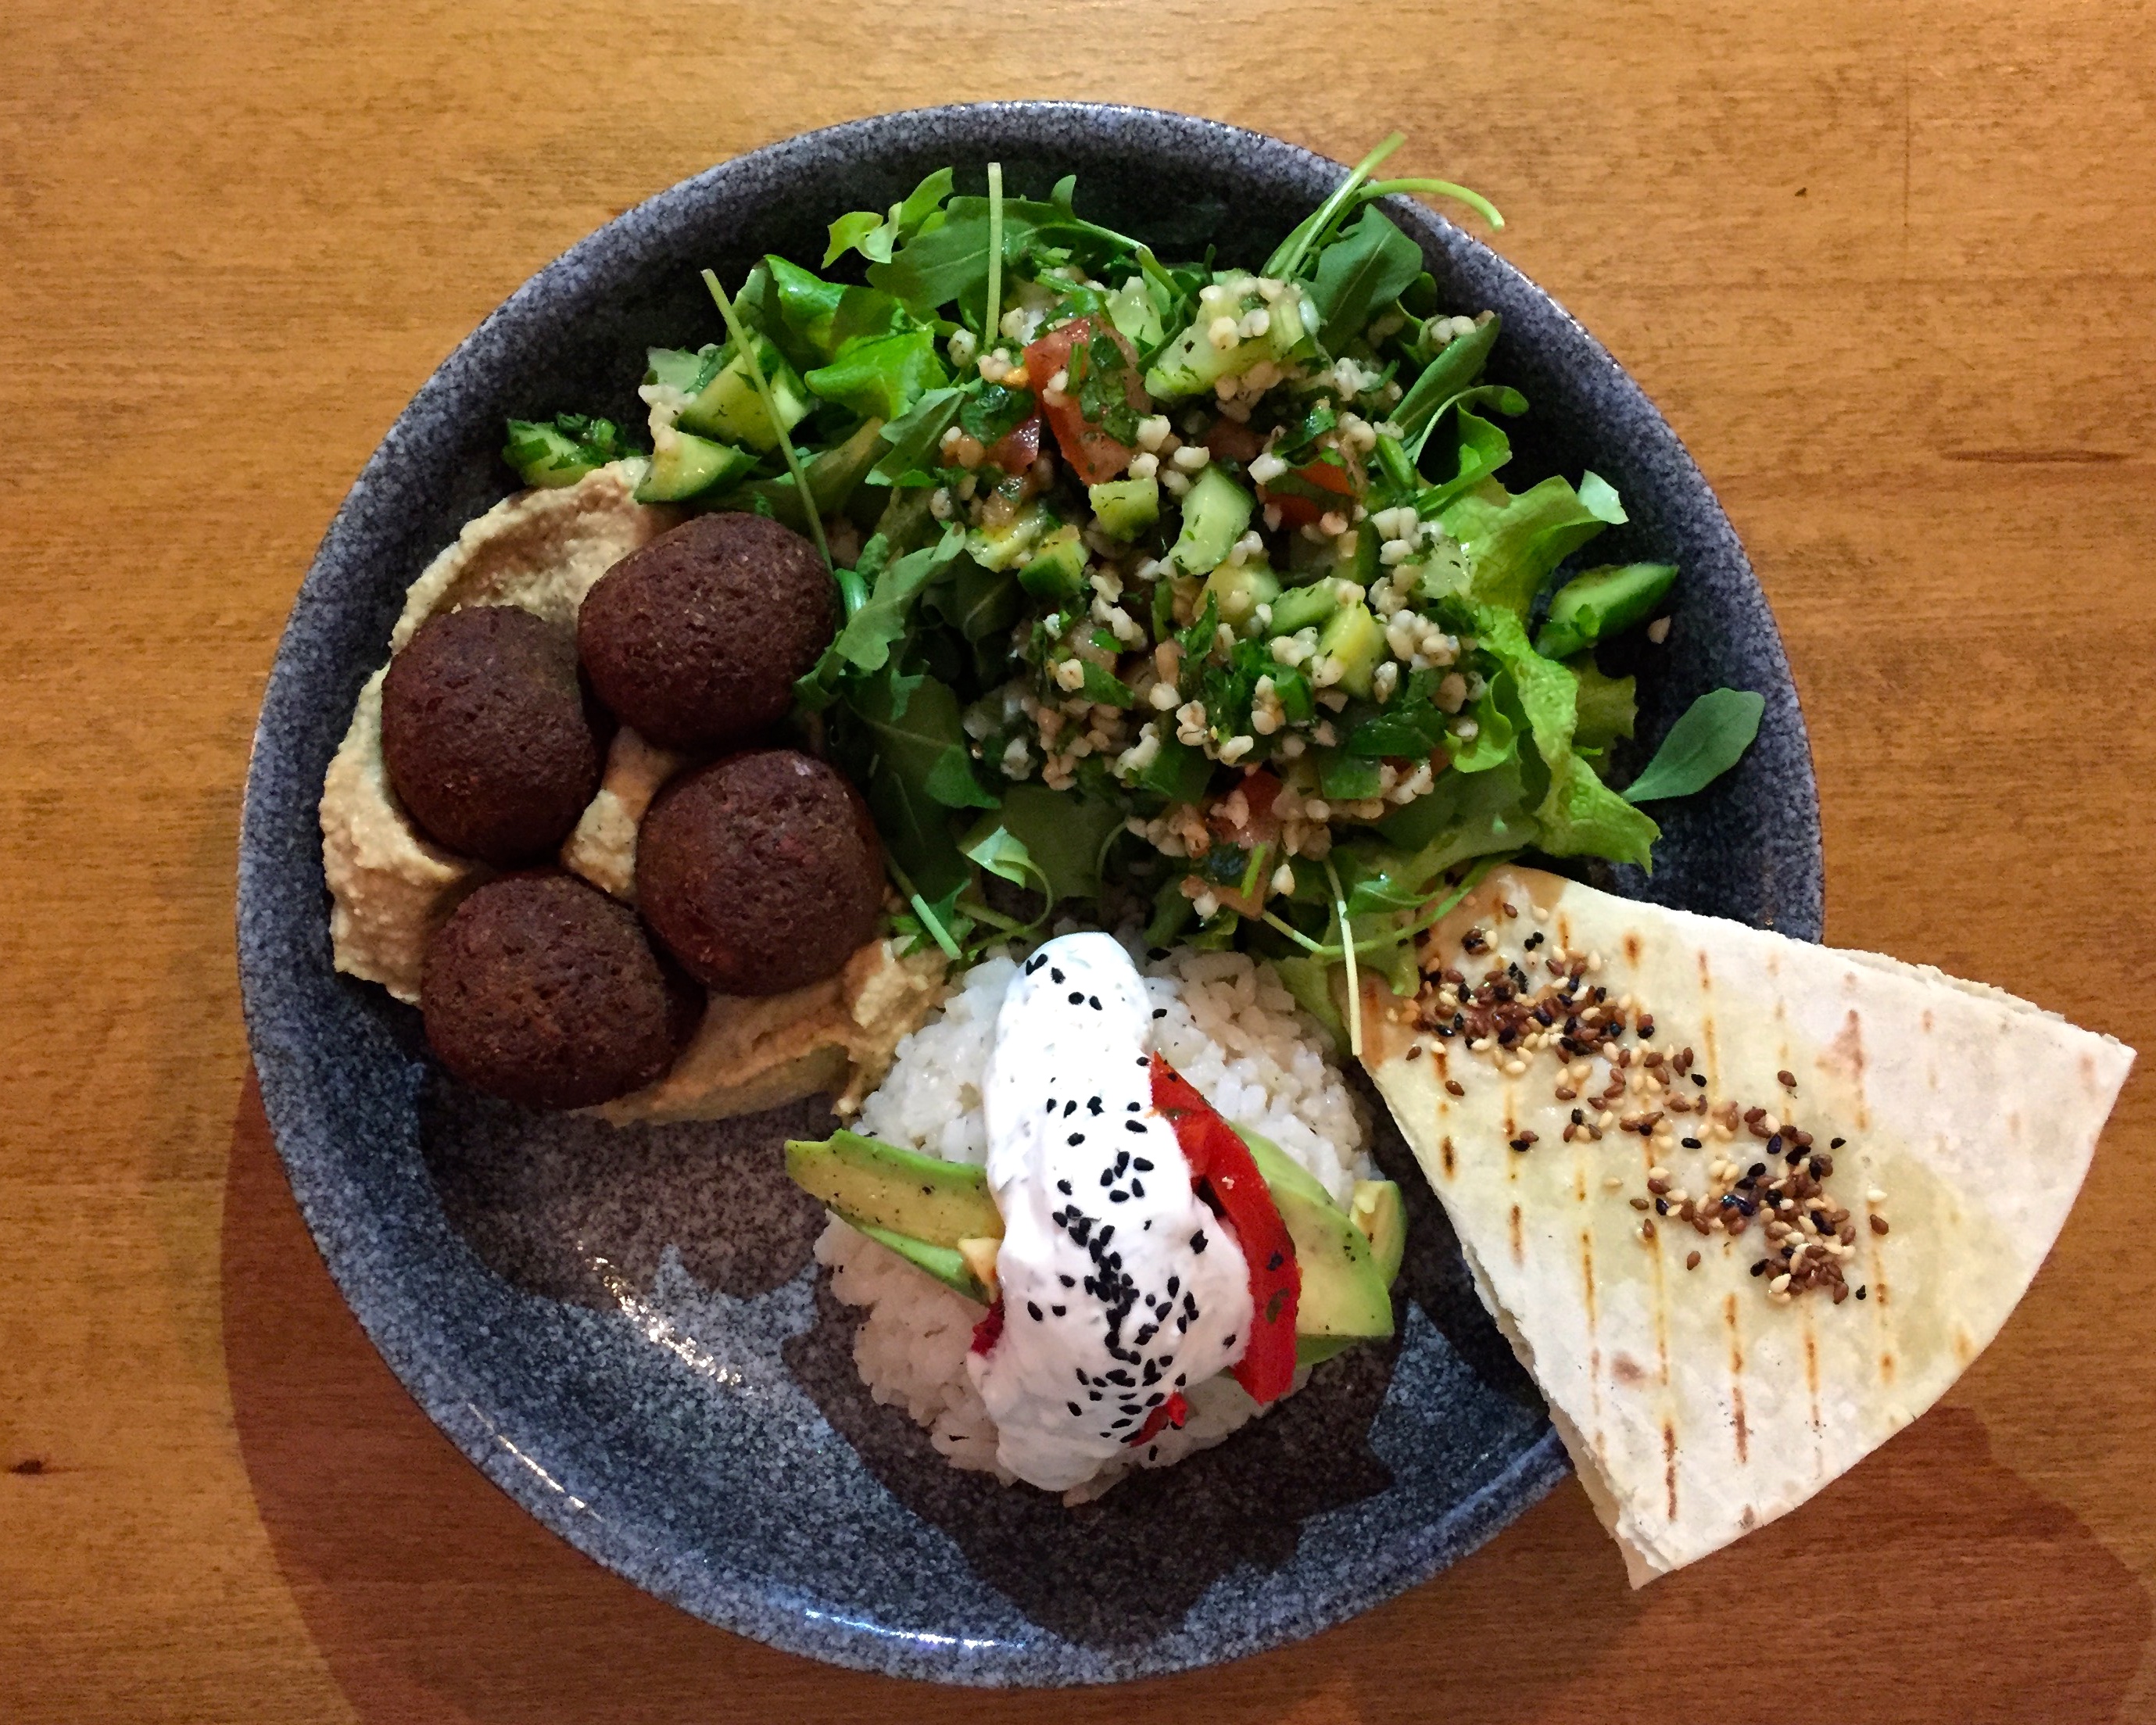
[1581,816]
[1515,542]
[880,376]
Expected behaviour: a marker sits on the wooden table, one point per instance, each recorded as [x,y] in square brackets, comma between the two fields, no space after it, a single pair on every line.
[1888,270]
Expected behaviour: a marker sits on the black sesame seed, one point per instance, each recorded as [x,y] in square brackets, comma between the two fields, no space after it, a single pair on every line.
[1064,1187]
[1700,1079]
[1137,1188]
[1662,1206]
[1197,1241]
[1059,1311]
[1756,1169]
[1774,1145]
[1860,1293]
[1107,1177]
[1119,1196]
[1067,1282]
[1760,1268]
[1093,1001]
[1520,1144]
[1070,1109]
[1690,1143]
[1075,1138]
[1034,963]
[1836,1144]
[1051,1105]
[1055,977]
[1141,1165]
[1134,1126]
[1034,1310]
[1275,1260]
[1074,1407]
[1229,1342]
[1158,1012]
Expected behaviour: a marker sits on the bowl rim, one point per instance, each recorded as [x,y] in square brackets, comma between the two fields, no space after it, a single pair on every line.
[270,980]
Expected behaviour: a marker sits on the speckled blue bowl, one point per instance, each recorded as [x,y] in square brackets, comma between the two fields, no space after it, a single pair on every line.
[624,1331]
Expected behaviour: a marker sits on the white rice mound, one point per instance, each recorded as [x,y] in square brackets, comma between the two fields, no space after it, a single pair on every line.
[1231,1028]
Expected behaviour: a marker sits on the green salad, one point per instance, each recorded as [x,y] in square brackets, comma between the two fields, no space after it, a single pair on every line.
[1189,590]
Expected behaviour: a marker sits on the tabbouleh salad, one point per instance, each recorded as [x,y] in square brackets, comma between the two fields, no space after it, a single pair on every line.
[1187,590]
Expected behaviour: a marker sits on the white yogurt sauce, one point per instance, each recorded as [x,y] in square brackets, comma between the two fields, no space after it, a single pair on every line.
[1119,1286]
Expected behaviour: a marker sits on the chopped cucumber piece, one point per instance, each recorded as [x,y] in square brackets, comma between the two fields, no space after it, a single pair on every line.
[1357,640]
[1001,546]
[729,406]
[543,455]
[1304,607]
[1602,603]
[1239,589]
[1216,512]
[1056,569]
[1126,507]
[683,464]
[672,368]
[1191,364]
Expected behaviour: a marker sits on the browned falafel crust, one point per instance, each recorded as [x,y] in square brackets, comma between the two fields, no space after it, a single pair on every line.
[761,872]
[485,732]
[543,990]
[696,639]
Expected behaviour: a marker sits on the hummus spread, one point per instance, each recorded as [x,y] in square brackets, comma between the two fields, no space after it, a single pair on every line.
[391,887]
[602,848]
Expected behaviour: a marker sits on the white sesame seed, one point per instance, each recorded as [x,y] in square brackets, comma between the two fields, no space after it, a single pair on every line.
[1874,1196]
[1658,631]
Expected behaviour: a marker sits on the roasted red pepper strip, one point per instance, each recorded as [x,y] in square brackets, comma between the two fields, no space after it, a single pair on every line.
[986,1331]
[1224,1175]
[1172,1412]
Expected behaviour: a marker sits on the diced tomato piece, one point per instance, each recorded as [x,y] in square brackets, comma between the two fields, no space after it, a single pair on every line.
[1231,441]
[1018,448]
[1257,827]
[1094,455]
[1299,511]
[1226,1177]
[986,1331]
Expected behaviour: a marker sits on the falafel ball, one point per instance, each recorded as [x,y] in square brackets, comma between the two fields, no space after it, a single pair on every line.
[542,989]
[486,734]
[696,638]
[761,872]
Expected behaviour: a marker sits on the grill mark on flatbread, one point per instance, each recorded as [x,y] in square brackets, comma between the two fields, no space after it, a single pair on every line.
[1627,1371]
[1632,949]
[1744,1432]
[1669,1465]
[1519,1255]
[1811,1378]
[1444,1149]
[1587,1274]
[1736,1371]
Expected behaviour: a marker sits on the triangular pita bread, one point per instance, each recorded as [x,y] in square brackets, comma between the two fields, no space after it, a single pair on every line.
[1699,1402]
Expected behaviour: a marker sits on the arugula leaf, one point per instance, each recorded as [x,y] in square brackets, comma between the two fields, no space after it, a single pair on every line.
[1478,448]
[874,236]
[1064,833]
[1370,264]
[880,376]
[1600,602]
[1704,743]
[833,477]
[909,725]
[949,261]
[980,602]
[870,632]
[915,436]
[1581,816]
[919,930]
[994,847]
[1457,367]
[862,230]
[1515,542]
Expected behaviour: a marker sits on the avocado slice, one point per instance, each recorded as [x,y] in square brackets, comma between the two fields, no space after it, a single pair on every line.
[939,1216]
[873,1184]
[1381,1213]
[1346,1297]
[1005,544]
[947,1263]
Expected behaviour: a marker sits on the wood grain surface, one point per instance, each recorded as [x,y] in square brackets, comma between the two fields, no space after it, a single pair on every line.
[1888,270]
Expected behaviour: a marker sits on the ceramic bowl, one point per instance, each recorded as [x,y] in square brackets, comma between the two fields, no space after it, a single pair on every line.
[624,1330]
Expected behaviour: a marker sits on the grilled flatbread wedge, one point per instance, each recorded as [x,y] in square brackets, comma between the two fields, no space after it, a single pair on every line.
[1744,1206]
